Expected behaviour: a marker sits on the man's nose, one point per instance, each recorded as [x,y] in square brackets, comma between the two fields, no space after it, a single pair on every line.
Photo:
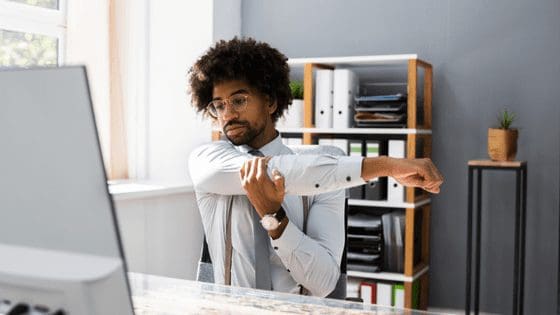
[229,113]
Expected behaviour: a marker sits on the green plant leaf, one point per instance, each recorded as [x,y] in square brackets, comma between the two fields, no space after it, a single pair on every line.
[297,89]
[506,118]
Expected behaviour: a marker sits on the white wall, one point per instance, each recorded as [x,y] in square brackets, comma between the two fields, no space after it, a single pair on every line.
[179,33]
[161,235]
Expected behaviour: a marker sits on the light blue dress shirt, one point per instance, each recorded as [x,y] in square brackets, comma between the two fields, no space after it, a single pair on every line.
[312,259]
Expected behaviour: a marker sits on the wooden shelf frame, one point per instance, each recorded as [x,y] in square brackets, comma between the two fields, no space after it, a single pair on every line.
[411,60]
[413,133]
[412,87]
[424,289]
[411,215]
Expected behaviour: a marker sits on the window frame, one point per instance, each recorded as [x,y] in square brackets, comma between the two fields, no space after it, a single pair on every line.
[19,17]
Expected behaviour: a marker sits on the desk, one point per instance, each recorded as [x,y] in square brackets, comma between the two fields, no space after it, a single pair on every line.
[160,295]
[520,168]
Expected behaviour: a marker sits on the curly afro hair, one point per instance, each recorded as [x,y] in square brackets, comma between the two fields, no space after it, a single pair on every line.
[259,65]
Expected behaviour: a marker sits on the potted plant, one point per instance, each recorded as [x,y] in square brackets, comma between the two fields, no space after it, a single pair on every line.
[293,116]
[502,141]
[297,90]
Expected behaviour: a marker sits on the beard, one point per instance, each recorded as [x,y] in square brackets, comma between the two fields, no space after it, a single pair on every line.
[246,134]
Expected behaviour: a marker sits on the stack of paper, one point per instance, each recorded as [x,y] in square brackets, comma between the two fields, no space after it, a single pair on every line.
[365,243]
[388,110]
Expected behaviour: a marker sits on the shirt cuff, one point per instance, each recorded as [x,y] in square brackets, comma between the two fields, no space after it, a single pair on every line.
[289,241]
[349,171]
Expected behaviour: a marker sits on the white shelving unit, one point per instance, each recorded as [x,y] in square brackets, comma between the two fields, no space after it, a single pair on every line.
[387,204]
[352,61]
[387,276]
[358,131]
[413,132]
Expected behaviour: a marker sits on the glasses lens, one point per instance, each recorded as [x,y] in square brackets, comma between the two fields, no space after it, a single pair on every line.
[218,107]
[212,110]
[238,101]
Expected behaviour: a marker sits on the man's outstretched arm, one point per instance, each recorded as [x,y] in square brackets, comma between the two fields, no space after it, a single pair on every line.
[215,168]
[267,193]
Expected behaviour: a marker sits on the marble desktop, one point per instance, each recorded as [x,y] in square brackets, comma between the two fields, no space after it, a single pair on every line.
[161,295]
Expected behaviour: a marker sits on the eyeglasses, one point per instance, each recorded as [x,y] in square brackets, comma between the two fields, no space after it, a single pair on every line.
[217,108]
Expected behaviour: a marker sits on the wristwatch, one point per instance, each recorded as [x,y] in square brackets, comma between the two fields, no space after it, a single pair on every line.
[272,221]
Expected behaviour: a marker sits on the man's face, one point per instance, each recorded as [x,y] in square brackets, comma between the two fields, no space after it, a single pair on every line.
[246,124]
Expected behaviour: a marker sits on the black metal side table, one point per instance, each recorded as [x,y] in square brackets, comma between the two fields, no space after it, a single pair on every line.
[520,168]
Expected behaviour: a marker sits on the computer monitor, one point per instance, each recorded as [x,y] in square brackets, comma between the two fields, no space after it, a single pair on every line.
[59,242]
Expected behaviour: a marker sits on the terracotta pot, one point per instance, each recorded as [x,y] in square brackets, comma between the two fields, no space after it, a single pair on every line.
[502,144]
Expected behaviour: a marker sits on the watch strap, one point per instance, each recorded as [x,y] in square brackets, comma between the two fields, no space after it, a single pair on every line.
[280,214]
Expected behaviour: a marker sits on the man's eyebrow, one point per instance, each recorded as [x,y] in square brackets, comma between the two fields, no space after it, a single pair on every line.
[240,91]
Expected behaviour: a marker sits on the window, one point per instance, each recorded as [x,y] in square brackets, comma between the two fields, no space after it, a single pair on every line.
[32,32]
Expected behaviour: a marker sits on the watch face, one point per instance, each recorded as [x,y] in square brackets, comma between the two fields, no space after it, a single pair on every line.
[269,222]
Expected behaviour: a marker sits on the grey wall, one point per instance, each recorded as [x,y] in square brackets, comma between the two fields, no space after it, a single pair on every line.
[486,55]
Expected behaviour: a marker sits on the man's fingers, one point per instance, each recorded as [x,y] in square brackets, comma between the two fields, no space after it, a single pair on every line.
[278,180]
[260,168]
[434,189]
[435,175]
[242,171]
[436,179]
[420,173]
[255,168]
[412,180]
[250,169]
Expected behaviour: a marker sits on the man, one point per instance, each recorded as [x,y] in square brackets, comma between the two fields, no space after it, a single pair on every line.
[243,85]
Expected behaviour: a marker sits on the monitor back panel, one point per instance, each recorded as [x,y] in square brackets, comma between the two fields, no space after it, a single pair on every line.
[53,191]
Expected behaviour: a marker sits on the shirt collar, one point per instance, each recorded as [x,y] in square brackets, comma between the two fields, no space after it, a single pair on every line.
[274,147]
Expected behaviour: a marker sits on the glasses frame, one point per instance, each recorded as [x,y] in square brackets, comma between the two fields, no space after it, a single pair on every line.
[212,111]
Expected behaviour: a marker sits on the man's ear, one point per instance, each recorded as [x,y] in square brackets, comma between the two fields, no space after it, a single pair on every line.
[272,106]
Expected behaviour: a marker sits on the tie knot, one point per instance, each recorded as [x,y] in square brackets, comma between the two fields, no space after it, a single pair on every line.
[256,153]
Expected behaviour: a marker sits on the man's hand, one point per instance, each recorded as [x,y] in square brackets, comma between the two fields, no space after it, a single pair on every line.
[408,172]
[265,194]
[416,173]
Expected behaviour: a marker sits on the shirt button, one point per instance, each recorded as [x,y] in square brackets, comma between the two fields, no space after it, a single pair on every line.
[316,185]
[275,247]
[348,178]
[288,270]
